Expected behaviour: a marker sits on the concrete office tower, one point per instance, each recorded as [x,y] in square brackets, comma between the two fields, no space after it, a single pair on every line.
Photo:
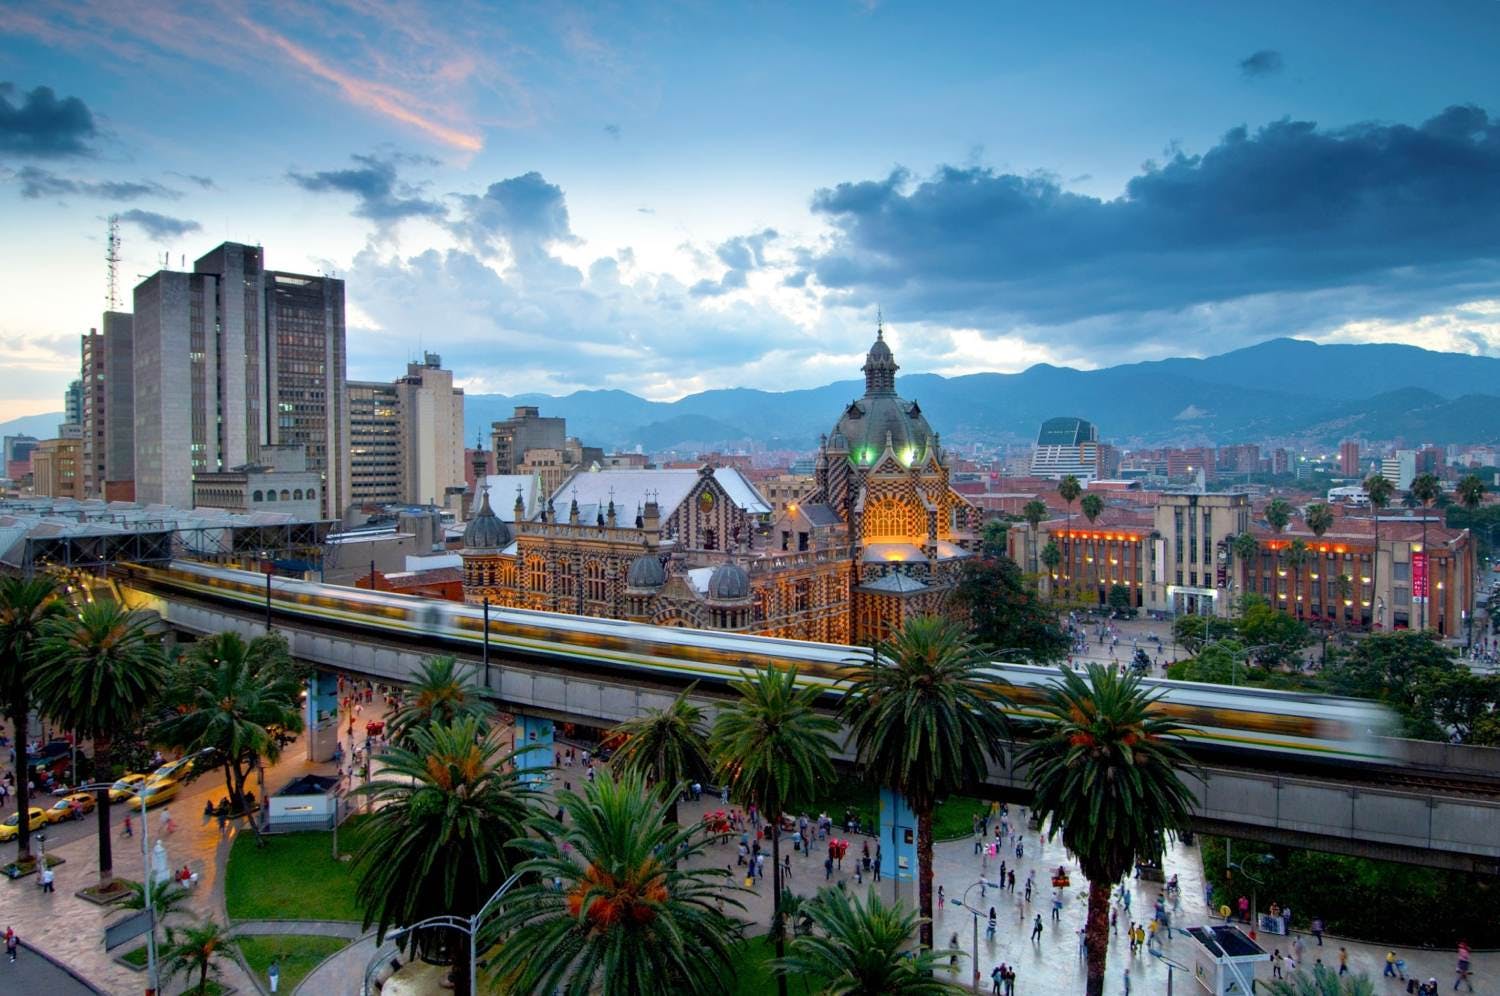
[525,430]
[374,443]
[432,432]
[229,358]
[72,423]
[108,455]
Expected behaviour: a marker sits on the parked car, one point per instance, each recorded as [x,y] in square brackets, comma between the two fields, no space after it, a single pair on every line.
[71,807]
[10,828]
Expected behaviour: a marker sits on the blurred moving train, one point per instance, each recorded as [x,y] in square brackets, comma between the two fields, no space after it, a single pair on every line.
[1217,719]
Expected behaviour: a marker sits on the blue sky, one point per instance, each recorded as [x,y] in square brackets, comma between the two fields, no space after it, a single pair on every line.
[670,197]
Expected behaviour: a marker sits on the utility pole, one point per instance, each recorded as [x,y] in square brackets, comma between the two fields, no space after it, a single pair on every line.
[486,642]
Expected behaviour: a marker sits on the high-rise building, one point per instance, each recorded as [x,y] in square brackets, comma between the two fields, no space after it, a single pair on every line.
[1066,446]
[72,423]
[432,432]
[374,443]
[229,358]
[55,470]
[108,362]
[1349,458]
[1399,468]
[525,430]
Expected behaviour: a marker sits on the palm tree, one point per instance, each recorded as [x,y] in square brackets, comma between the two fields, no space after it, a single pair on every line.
[447,811]
[1034,512]
[1319,518]
[1297,556]
[1105,775]
[1470,496]
[233,698]
[771,747]
[1068,491]
[665,747]
[444,692]
[1278,514]
[1245,547]
[925,722]
[1321,981]
[96,673]
[25,608]
[1092,507]
[605,911]
[1380,491]
[860,949]
[193,950]
[1426,489]
[1051,557]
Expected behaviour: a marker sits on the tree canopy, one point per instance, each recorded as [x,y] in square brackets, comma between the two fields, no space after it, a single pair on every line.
[1436,695]
[1007,613]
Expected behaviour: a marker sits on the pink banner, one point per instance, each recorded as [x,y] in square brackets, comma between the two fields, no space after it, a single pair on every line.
[1419,576]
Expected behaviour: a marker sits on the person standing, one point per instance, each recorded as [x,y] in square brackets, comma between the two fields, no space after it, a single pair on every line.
[273,975]
[1343,961]
[1036,929]
[989,933]
[47,880]
[1317,929]
[129,831]
[1127,980]
[997,976]
[12,943]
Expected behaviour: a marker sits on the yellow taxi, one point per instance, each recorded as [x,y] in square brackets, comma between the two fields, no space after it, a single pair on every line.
[127,786]
[70,807]
[11,826]
[154,792]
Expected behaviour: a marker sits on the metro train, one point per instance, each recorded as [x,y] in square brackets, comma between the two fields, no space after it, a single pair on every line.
[1216,719]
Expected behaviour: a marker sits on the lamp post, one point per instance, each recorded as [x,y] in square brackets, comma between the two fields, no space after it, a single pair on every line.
[130,806]
[486,642]
[964,903]
[469,925]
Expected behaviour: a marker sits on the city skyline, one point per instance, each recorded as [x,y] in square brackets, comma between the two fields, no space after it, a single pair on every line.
[730,212]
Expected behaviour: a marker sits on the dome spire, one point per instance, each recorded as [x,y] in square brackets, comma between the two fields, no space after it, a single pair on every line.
[880,364]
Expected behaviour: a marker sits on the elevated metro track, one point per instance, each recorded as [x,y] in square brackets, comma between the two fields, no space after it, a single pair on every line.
[1439,806]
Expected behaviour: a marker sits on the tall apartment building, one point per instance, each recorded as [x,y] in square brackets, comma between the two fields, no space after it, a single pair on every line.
[1349,458]
[72,423]
[107,459]
[55,468]
[1400,468]
[231,357]
[525,430]
[406,437]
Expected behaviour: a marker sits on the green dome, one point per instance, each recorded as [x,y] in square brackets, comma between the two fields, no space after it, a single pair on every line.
[881,415]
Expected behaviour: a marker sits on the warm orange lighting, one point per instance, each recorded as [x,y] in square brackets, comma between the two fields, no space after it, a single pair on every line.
[1338,549]
[1323,548]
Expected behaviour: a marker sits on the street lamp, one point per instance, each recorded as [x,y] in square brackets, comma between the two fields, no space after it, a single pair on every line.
[151,972]
[469,925]
[964,903]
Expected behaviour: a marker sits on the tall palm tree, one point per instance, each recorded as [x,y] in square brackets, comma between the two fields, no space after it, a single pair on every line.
[1245,547]
[1034,512]
[1068,491]
[605,911]
[772,747]
[447,811]
[233,698]
[1297,555]
[196,949]
[96,673]
[1105,774]
[444,691]
[1092,507]
[1470,495]
[1426,489]
[1319,518]
[1278,514]
[859,948]
[665,747]
[1380,491]
[25,608]
[926,722]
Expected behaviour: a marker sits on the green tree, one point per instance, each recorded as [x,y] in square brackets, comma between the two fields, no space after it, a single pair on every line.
[25,608]
[443,691]
[1470,493]
[1380,491]
[1278,514]
[1034,512]
[771,747]
[1194,631]
[666,748]
[1245,548]
[1051,557]
[1119,598]
[1069,490]
[926,722]
[96,673]
[1216,663]
[1319,518]
[1321,981]
[1092,506]
[1105,774]
[606,912]
[859,948]
[1003,611]
[993,541]
[1425,490]
[1296,556]
[195,950]
[446,809]
[233,698]
[1275,637]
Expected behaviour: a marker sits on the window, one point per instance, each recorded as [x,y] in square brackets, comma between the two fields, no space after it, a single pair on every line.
[297,495]
[1401,571]
[710,538]
[786,540]
[597,590]
[312,493]
[888,518]
[285,495]
[258,496]
[270,496]
[801,542]
[537,569]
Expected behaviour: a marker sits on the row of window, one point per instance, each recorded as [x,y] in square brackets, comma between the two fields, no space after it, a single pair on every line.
[294,494]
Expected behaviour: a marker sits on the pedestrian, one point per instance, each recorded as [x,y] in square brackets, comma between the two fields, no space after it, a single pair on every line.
[953,958]
[1276,964]
[1036,929]
[940,897]
[1127,980]
[827,869]
[1317,929]
[1464,975]
[997,976]
[12,943]
[273,975]
[877,862]
[1343,961]
[989,933]
[1012,881]
[786,866]
[1390,965]
[47,875]
[166,821]
[1057,906]
[129,831]
[1130,931]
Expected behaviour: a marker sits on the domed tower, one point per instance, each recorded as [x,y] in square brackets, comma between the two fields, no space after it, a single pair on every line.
[728,596]
[485,539]
[643,581]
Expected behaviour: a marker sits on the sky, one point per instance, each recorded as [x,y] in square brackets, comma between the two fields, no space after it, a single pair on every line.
[670,197]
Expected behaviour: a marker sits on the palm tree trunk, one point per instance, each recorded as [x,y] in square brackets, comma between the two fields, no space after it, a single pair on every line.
[1375,572]
[776,900]
[18,720]
[102,772]
[924,872]
[1096,935]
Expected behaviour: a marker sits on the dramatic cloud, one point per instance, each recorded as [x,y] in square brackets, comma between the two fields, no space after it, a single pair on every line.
[741,254]
[382,196]
[42,126]
[159,226]
[1266,62]
[1407,214]
[37,182]
[525,212]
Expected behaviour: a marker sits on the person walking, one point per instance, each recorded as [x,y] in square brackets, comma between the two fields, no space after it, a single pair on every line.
[12,943]
[997,976]
[989,932]
[953,958]
[129,830]
[1036,929]
[273,975]
[1343,961]
[827,868]
[1317,929]
[47,880]
[1463,973]
[1127,980]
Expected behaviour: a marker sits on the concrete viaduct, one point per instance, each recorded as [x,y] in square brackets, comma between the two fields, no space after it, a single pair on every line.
[1449,821]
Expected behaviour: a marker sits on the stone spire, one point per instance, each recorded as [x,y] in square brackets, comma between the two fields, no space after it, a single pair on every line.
[880,365]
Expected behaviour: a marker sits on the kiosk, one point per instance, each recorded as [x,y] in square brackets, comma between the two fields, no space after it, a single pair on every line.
[1224,960]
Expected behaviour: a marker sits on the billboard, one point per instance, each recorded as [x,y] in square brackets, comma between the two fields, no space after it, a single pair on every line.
[1419,577]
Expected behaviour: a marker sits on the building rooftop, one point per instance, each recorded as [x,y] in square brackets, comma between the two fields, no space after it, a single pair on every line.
[1066,431]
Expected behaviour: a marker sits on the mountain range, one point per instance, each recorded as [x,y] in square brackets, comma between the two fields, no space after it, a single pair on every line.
[1283,389]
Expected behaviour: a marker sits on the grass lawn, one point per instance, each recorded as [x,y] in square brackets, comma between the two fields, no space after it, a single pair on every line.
[136,956]
[952,820]
[752,971]
[297,955]
[294,877]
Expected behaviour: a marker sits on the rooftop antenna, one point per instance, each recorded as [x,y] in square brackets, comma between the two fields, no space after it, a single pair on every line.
[112,257]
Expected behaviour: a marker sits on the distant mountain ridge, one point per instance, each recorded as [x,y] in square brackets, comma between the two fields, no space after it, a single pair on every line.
[1281,388]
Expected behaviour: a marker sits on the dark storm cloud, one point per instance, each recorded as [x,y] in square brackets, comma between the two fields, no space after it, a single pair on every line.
[41,126]
[381,195]
[1288,208]
[37,182]
[1266,62]
[159,226]
[525,212]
